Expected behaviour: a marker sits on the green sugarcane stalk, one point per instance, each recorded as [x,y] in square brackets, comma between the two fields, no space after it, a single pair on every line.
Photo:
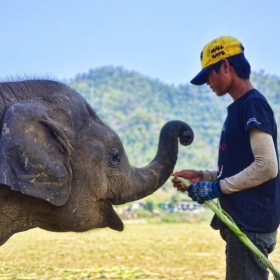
[227,219]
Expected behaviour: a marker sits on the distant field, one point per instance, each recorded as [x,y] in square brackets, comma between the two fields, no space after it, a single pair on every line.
[142,251]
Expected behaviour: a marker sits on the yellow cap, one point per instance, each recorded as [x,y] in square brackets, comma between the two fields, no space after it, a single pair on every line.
[213,52]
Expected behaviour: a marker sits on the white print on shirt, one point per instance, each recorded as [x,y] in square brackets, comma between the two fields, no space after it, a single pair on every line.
[220,171]
[253,120]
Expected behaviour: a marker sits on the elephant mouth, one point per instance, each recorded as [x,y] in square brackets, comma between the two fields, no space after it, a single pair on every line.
[113,221]
[116,224]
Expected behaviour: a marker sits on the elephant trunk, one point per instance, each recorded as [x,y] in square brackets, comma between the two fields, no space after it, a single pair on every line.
[142,182]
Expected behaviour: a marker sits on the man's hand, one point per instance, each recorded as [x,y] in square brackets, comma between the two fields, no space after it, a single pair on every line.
[204,190]
[191,175]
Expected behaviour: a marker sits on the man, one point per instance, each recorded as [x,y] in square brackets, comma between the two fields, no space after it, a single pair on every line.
[247,180]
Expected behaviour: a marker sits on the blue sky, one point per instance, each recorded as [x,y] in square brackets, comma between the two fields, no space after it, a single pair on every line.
[161,39]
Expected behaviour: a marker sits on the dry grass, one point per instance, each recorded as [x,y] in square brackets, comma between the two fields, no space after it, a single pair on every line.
[142,251]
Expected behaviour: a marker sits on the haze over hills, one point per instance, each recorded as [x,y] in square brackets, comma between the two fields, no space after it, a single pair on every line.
[136,107]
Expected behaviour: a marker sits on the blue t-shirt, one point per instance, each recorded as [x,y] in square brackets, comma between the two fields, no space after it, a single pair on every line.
[258,208]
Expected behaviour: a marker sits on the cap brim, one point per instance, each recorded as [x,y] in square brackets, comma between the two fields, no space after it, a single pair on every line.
[201,77]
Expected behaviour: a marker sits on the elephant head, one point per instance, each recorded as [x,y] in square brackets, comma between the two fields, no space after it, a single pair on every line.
[62,168]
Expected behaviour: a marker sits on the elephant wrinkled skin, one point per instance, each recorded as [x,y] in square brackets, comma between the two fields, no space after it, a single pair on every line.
[62,168]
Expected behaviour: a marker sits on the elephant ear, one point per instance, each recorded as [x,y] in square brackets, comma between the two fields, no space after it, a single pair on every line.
[35,152]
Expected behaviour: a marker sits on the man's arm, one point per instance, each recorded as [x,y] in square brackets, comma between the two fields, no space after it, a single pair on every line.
[264,167]
[210,175]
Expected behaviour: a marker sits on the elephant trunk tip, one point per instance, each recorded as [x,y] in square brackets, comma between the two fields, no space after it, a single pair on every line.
[186,135]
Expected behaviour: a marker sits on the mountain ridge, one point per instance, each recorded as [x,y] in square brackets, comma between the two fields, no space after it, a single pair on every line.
[137,106]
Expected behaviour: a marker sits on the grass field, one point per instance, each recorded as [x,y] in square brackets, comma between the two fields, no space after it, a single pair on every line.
[143,251]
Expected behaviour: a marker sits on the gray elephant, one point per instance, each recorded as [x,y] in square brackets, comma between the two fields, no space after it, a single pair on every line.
[62,168]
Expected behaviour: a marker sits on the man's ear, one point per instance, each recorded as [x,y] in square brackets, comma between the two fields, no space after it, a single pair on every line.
[226,65]
[35,152]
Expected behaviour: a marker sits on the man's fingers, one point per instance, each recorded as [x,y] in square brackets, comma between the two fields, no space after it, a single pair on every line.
[181,188]
[176,182]
[178,185]
[178,174]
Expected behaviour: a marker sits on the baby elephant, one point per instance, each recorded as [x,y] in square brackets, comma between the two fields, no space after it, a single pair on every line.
[62,168]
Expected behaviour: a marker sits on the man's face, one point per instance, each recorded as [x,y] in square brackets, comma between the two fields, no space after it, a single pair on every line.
[219,81]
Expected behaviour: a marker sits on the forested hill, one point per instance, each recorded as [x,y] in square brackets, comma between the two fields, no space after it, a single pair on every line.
[136,107]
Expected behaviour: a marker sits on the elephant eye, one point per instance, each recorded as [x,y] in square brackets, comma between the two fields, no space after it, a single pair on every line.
[114,157]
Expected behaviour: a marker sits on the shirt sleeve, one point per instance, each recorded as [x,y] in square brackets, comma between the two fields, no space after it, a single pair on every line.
[256,112]
[210,175]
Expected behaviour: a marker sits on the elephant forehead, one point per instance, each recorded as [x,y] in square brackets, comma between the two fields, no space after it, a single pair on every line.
[96,131]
